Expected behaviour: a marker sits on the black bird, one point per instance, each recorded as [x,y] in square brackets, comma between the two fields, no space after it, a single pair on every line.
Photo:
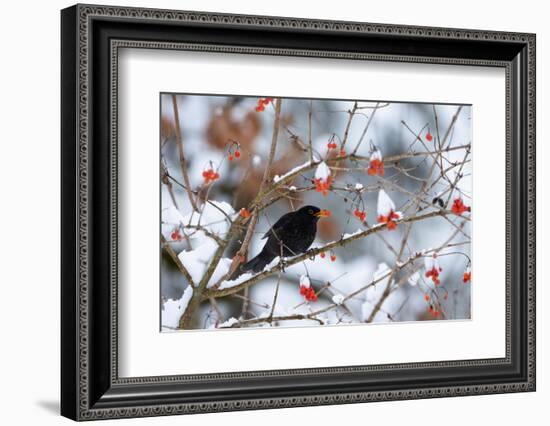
[291,235]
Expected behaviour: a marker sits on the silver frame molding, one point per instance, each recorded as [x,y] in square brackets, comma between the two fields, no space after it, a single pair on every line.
[91,388]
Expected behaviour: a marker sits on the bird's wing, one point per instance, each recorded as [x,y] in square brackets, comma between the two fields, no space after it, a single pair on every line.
[280,224]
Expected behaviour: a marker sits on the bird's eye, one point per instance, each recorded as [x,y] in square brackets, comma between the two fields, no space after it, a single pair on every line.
[310,211]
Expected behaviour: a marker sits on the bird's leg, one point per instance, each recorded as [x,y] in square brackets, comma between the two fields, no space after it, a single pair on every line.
[282,259]
[311,254]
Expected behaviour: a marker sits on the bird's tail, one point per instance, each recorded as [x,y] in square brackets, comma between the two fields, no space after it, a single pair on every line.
[257,264]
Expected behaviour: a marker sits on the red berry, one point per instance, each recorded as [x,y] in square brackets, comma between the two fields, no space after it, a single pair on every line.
[332,257]
[322,255]
[230,157]
[429,137]
[426,297]
[237,154]
[244,213]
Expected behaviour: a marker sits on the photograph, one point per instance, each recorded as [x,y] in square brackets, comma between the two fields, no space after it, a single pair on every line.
[295,212]
[270,208]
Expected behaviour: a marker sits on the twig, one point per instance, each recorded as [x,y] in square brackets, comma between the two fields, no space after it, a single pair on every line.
[183,162]
[176,260]
[366,128]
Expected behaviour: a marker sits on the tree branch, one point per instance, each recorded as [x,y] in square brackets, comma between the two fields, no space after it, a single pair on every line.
[221,292]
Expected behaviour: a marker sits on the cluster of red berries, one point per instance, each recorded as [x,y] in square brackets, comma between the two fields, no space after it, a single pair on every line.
[429,136]
[210,175]
[389,220]
[236,154]
[308,293]
[360,214]
[459,207]
[244,213]
[323,185]
[467,277]
[332,256]
[333,145]
[433,311]
[434,275]
[176,235]
[376,167]
[262,103]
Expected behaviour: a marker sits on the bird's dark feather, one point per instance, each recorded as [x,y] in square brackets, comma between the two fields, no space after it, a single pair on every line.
[283,222]
[291,235]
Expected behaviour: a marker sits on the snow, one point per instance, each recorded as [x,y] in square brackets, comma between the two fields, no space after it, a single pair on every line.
[292,188]
[359,186]
[296,169]
[222,268]
[352,234]
[322,172]
[210,217]
[172,310]
[233,283]
[304,281]
[197,259]
[376,155]
[430,262]
[385,204]
[246,276]
[229,323]
[196,262]
[172,216]
[338,299]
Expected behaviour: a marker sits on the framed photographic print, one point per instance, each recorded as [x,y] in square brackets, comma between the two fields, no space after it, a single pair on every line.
[263,212]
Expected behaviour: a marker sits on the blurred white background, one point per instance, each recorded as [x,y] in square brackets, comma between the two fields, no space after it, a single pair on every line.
[29,171]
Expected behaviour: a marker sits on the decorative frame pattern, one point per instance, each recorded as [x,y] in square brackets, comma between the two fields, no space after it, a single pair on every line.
[91,388]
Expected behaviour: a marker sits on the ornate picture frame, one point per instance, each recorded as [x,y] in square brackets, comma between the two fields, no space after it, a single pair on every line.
[91,39]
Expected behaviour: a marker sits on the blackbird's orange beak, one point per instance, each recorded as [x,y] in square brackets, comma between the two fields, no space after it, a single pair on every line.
[323,213]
